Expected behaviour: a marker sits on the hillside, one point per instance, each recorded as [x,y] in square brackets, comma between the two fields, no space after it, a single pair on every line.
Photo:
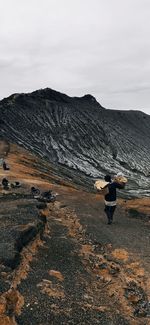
[78,133]
[61,263]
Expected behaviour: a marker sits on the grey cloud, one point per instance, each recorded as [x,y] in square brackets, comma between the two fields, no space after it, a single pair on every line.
[89,46]
[132,89]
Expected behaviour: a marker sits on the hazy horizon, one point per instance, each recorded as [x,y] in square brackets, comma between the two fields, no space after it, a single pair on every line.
[77,47]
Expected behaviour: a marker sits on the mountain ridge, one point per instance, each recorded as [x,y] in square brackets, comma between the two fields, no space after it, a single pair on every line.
[59,95]
[51,94]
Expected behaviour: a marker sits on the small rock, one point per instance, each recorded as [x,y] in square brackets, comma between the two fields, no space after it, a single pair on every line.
[87,297]
[107,279]
[56,274]
[3,274]
[103,266]
[2,305]
[114,269]
[41,206]
[109,247]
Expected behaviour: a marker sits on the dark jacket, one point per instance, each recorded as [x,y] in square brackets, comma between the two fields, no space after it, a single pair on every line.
[112,195]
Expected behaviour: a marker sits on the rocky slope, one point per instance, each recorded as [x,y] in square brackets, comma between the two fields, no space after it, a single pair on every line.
[61,263]
[80,134]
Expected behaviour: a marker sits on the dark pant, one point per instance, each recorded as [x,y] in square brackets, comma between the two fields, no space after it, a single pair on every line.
[110,212]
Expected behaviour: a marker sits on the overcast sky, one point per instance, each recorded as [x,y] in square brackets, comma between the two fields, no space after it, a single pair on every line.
[101,47]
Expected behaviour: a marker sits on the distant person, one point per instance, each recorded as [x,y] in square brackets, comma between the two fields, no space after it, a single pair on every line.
[111,196]
[1,162]
[5,184]
[35,192]
[48,196]
[5,167]
[15,185]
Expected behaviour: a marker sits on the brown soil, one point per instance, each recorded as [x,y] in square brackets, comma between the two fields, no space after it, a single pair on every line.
[114,261]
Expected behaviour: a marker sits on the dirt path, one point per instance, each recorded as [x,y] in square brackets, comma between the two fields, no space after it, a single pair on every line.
[85,273]
[82,272]
[126,232]
[59,290]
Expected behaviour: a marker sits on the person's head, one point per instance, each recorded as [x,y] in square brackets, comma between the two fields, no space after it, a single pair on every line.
[5,180]
[107,178]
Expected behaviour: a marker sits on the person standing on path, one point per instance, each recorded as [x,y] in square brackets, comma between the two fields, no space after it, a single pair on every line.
[111,197]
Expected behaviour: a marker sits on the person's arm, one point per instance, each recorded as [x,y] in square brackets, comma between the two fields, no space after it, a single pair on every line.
[120,185]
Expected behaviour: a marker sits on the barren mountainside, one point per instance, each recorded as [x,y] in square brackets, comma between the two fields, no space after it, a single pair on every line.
[80,134]
[60,262]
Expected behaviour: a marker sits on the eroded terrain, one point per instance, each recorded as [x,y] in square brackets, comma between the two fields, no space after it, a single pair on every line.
[64,265]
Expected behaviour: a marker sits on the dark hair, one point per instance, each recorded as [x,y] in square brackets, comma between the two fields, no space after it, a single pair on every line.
[108,178]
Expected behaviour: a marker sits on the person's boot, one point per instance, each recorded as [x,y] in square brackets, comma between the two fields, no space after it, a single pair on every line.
[109,222]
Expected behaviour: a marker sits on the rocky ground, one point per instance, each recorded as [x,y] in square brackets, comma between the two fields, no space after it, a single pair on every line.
[62,264]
